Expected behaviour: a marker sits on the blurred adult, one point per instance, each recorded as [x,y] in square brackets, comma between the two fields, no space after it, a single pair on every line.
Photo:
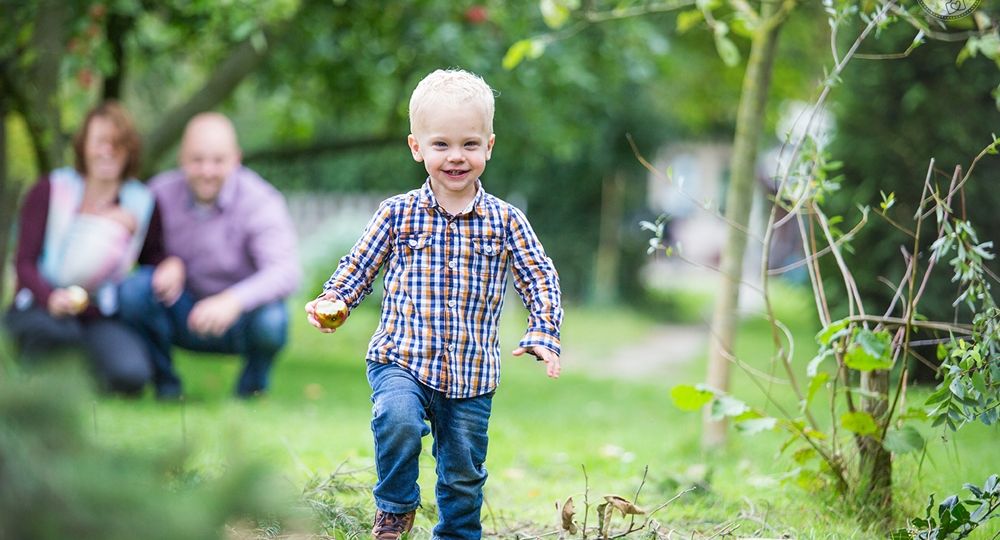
[83,228]
[232,230]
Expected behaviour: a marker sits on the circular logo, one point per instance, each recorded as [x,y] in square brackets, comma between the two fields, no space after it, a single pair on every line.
[949,10]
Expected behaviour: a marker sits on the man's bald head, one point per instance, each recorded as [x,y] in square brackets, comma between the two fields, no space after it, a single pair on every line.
[209,154]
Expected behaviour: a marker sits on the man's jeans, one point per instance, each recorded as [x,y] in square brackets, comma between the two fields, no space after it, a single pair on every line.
[402,408]
[258,336]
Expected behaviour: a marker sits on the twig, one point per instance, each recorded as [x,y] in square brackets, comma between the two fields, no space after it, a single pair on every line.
[635,499]
[586,501]
[489,511]
[624,13]
[815,256]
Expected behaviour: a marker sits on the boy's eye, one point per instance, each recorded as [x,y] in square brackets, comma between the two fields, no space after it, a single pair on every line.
[438,144]
[472,144]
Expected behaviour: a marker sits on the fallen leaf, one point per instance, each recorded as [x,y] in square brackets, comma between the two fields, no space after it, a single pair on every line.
[623,505]
[567,516]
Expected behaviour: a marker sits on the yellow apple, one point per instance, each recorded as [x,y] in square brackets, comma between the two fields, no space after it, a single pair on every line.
[78,297]
[331,313]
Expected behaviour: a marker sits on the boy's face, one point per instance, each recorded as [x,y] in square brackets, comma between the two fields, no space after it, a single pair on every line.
[454,145]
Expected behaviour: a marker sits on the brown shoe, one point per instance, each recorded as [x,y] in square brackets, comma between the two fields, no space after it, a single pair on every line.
[389,526]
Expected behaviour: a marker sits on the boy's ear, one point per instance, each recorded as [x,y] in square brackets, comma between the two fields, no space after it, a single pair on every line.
[489,146]
[411,141]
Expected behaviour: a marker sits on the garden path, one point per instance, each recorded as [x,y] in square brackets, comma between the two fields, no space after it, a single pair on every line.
[659,353]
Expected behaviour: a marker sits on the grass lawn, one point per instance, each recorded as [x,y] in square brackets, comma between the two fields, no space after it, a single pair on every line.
[543,433]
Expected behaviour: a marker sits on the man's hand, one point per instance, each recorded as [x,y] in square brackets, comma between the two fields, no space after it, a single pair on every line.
[550,358]
[168,280]
[214,315]
[311,313]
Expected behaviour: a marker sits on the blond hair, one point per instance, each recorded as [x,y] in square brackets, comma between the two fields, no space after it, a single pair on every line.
[452,86]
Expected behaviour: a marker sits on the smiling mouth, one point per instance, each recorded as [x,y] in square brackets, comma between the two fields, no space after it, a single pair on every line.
[455,172]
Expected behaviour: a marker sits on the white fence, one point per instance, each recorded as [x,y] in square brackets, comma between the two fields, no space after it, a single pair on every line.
[329,223]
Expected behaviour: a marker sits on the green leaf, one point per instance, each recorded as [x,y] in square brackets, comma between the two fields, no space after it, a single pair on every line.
[728,51]
[689,398]
[524,48]
[941,394]
[756,425]
[815,385]
[725,406]
[869,351]
[832,331]
[979,383]
[859,422]
[813,366]
[686,20]
[902,441]
[555,13]
[803,455]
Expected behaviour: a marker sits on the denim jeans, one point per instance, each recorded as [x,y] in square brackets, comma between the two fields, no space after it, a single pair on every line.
[402,408]
[257,336]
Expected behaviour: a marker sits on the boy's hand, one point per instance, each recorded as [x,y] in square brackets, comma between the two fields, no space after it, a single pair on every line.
[311,313]
[550,358]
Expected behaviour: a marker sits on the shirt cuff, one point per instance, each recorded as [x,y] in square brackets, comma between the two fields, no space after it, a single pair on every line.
[540,339]
[343,296]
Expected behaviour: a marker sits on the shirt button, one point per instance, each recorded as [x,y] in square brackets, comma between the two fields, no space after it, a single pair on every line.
[454,227]
[451,347]
[453,264]
[452,303]
[413,243]
[489,250]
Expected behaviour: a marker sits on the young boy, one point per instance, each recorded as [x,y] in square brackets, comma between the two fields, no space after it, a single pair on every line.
[435,356]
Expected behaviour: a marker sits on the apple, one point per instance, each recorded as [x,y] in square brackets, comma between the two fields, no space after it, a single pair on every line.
[330,313]
[477,14]
[78,297]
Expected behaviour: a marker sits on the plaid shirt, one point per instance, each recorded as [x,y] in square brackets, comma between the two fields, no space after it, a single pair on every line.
[444,287]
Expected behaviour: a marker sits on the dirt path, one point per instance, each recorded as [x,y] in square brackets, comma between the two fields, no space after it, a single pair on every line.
[665,348]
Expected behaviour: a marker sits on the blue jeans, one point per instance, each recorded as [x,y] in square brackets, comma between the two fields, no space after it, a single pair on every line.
[258,335]
[402,408]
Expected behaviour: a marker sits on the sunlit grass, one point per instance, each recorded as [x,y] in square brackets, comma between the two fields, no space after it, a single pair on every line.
[544,434]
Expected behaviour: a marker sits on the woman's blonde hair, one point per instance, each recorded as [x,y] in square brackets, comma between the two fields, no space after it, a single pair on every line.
[451,86]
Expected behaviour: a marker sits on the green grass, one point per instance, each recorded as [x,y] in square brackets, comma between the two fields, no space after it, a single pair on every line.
[543,433]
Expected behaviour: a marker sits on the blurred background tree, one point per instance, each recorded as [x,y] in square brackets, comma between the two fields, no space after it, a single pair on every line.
[892,117]
[319,93]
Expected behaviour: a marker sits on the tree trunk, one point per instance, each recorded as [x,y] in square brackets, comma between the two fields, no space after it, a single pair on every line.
[242,61]
[605,284]
[6,203]
[739,197]
[41,91]
[117,28]
[875,462]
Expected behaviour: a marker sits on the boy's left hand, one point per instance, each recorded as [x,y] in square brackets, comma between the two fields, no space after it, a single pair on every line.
[550,358]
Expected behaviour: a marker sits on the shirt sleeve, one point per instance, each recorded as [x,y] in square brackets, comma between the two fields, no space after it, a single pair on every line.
[353,278]
[30,242]
[537,283]
[272,245]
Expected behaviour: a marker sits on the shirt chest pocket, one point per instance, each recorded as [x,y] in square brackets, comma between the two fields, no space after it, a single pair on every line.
[486,256]
[416,250]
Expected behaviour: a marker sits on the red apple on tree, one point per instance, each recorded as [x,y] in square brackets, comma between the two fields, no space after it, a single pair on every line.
[476,14]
